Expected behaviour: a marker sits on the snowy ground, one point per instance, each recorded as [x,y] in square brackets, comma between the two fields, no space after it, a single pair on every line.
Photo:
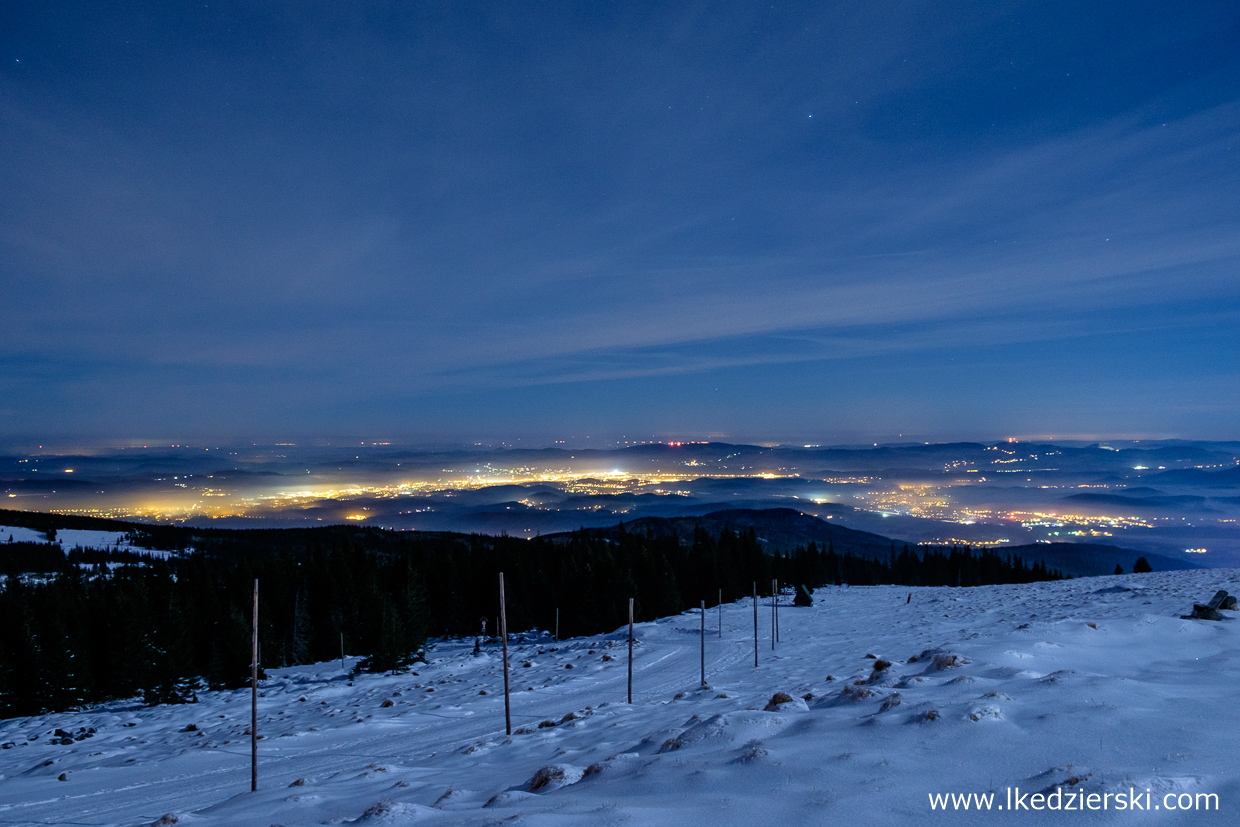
[1081,684]
[71,538]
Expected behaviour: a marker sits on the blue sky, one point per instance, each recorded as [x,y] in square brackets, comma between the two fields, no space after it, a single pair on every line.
[826,221]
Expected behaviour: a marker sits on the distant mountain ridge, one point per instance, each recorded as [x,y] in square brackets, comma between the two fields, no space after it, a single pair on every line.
[779,529]
[783,529]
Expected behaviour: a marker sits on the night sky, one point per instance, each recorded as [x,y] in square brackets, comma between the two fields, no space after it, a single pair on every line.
[823,222]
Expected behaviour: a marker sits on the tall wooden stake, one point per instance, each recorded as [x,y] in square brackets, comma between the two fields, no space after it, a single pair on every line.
[557,624]
[777,610]
[503,633]
[721,613]
[772,615]
[342,650]
[755,623]
[254,697]
[703,644]
[630,650]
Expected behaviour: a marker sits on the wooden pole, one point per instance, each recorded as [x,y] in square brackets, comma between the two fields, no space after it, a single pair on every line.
[503,633]
[254,696]
[557,624]
[755,623]
[772,615]
[630,650]
[703,644]
[721,613]
[777,610]
[342,650]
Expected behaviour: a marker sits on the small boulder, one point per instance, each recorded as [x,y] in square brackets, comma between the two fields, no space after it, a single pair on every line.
[1203,612]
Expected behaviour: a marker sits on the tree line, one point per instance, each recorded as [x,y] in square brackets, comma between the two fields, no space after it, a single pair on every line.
[91,626]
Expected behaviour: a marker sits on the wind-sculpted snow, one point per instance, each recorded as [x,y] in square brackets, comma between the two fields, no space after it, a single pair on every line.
[869,704]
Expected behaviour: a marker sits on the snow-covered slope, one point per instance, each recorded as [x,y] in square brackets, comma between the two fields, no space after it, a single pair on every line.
[1093,684]
[71,538]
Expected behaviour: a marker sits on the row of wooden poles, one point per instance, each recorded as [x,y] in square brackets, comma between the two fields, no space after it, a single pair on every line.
[503,633]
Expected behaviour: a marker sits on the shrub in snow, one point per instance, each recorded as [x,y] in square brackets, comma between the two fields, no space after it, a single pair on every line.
[891,701]
[380,807]
[939,659]
[509,797]
[794,705]
[391,813]
[853,692]
[167,818]
[948,660]
[880,673]
[783,702]
[752,751]
[777,699]
[554,776]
